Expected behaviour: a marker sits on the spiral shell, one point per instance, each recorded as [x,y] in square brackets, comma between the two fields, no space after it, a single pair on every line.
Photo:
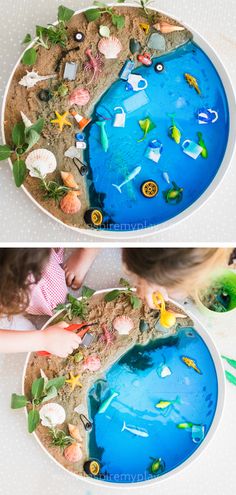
[70,203]
[73,453]
[80,97]
[74,432]
[123,324]
[110,47]
[41,160]
[92,363]
[165,27]
[52,414]
[68,180]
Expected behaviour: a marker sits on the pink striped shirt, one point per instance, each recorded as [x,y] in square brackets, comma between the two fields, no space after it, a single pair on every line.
[51,290]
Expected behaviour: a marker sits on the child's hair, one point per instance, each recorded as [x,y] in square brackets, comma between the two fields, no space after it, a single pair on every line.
[185,268]
[19,267]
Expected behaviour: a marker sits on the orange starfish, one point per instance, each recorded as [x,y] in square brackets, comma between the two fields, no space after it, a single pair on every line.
[74,381]
[61,120]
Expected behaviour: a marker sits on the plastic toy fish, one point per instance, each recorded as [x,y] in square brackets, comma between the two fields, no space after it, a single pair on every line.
[174,194]
[135,431]
[163,404]
[201,143]
[130,177]
[103,137]
[146,125]
[184,426]
[207,116]
[32,78]
[192,81]
[157,466]
[104,406]
[191,364]
[174,132]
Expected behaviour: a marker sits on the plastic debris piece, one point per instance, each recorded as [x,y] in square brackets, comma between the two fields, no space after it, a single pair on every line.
[136,101]
[70,71]
[198,433]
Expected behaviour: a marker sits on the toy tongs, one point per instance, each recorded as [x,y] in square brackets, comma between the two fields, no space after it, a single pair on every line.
[80,328]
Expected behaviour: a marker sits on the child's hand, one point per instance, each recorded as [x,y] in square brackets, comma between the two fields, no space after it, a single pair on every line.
[146,290]
[57,341]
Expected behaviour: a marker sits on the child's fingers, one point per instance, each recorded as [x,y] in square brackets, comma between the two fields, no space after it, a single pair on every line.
[62,324]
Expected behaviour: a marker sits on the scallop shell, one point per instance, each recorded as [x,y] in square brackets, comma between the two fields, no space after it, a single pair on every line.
[92,363]
[70,203]
[52,414]
[165,27]
[68,180]
[73,453]
[74,432]
[41,160]
[110,47]
[80,97]
[123,324]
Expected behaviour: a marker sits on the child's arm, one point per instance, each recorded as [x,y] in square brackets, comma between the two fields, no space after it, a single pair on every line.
[54,339]
[77,266]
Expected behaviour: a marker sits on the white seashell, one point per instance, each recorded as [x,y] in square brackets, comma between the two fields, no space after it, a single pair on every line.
[32,78]
[41,161]
[110,47]
[72,152]
[52,414]
[123,324]
[26,120]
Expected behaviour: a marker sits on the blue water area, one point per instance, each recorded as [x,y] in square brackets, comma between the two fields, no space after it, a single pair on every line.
[168,93]
[126,456]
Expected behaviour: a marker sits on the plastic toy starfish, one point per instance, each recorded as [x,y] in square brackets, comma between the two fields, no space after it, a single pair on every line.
[74,381]
[61,120]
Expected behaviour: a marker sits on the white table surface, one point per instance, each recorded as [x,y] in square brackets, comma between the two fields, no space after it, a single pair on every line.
[26,470]
[20,219]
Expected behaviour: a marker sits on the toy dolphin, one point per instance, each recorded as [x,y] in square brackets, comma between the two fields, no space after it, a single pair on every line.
[104,406]
[103,137]
[135,431]
[130,177]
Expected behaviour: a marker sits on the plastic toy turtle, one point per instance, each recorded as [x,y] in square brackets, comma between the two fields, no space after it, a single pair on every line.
[157,466]
[93,217]
[174,194]
[159,67]
[149,189]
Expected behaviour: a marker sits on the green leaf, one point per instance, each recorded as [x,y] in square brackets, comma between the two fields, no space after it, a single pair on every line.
[33,420]
[65,14]
[27,39]
[37,388]
[41,31]
[38,126]
[124,283]
[18,401]
[29,57]
[5,152]
[110,296]
[231,378]
[19,172]
[87,292]
[231,362]
[51,393]
[92,15]
[118,21]
[31,138]
[73,300]
[100,4]
[135,302]
[120,1]
[18,134]
[57,383]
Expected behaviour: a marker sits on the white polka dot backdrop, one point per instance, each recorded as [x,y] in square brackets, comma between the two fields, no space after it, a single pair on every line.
[20,219]
[26,469]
